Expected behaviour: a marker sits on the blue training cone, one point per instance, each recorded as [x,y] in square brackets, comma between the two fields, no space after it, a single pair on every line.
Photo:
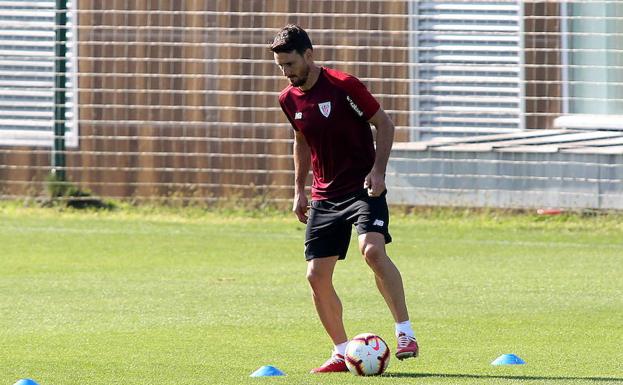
[26,381]
[508,359]
[267,371]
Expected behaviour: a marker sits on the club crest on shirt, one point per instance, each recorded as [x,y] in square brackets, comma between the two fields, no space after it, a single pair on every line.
[325,108]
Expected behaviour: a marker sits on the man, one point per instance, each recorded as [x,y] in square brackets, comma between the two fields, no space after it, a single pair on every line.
[330,112]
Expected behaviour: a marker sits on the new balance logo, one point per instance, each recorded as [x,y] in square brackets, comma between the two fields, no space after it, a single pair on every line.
[298,115]
[378,222]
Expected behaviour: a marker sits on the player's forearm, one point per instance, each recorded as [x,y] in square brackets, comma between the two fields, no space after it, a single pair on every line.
[384,142]
[302,163]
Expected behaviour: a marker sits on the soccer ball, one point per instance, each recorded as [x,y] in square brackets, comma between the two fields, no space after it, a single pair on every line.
[367,355]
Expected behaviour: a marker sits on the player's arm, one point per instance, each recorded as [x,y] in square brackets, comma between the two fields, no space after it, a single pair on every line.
[302,163]
[375,181]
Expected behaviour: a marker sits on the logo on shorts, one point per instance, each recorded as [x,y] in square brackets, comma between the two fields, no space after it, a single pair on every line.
[378,222]
[325,108]
[298,115]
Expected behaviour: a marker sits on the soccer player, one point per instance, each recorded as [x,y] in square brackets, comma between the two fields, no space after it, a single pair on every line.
[331,112]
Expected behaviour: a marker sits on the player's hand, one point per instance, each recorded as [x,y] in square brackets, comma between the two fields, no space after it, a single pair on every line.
[375,183]
[300,207]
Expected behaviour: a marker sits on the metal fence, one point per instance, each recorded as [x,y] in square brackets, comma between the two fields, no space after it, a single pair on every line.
[178,100]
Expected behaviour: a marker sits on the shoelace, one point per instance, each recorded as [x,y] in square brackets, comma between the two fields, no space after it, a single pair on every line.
[404,340]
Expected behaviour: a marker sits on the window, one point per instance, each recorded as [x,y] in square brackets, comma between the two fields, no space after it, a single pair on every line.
[593,70]
[27,74]
[466,77]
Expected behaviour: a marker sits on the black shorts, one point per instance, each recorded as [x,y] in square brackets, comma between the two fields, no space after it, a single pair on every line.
[330,222]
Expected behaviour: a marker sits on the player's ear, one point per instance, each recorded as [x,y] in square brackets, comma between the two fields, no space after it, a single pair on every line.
[308,55]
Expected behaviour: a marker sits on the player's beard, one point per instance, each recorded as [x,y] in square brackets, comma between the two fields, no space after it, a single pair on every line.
[302,79]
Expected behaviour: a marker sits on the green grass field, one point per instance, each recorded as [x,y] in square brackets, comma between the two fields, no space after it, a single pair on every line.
[185,297]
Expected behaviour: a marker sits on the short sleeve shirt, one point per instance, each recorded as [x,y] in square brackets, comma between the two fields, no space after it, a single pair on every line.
[333,117]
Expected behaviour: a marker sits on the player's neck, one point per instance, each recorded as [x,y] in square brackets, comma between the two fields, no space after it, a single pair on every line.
[312,78]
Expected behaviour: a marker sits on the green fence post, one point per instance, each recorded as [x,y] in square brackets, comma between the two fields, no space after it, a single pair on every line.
[60,68]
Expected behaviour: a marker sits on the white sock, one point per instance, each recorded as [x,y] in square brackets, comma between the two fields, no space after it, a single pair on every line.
[340,348]
[404,327]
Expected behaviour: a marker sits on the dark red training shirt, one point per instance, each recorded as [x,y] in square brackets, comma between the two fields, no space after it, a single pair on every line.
[333,117]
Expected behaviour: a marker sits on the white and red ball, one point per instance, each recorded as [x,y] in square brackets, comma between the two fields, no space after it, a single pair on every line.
[367,355]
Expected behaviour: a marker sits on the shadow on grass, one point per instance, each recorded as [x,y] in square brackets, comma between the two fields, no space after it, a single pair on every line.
[518,378]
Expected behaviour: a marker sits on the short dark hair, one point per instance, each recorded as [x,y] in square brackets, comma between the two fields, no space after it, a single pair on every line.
[291,38]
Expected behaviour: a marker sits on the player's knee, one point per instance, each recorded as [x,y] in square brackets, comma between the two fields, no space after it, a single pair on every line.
[317,278]
[373,253]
